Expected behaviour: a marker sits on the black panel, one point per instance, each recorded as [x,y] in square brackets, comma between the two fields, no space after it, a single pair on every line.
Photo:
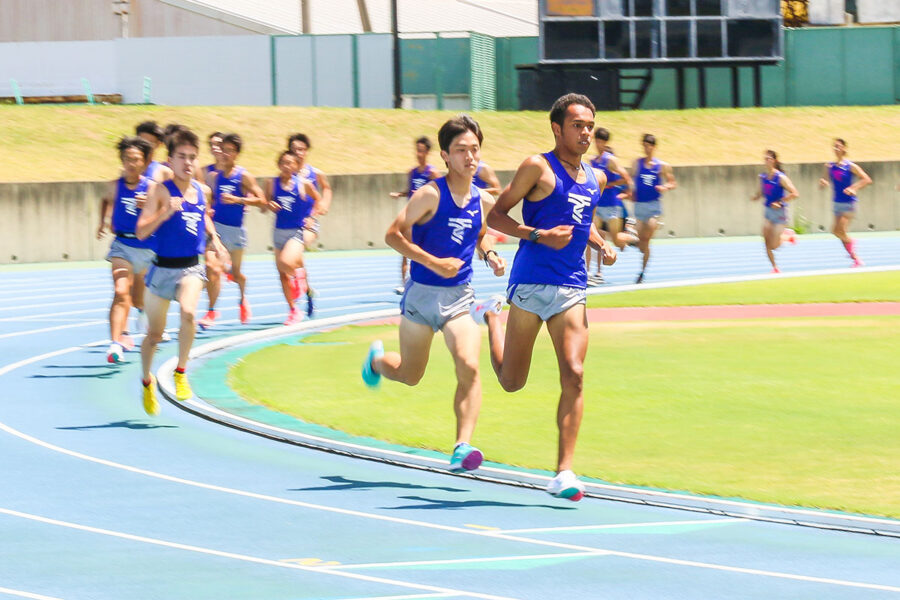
[646,35]
[540,86]
[678,39]
[571,39]
[709,8]
[751,38]
[643,8]
[709,39]
[616,40]
[678,8]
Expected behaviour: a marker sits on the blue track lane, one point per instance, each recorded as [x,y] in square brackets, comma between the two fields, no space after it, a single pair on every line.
[98,501]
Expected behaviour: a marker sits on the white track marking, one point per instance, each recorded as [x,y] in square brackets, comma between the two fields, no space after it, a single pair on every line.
[243,557]
[625,525]
[22,594]
[460,561]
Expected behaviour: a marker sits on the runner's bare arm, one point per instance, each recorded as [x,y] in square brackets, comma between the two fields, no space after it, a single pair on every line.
[326,192]
[525,183]
[420,208]
[599,243]
[862,182]
[106,204]
[624,177]
[490,176]
[159,206]
[824,180]
[253,194]
[485,249]
[788,185]
[669,176]
[270,195]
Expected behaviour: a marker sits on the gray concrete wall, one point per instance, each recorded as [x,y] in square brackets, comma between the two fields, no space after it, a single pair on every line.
[57,221]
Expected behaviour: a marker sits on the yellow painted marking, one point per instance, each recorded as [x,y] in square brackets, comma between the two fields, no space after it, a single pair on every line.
[311,562]
[483,527]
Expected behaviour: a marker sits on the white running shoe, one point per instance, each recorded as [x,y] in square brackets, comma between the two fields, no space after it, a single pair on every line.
[493,304]
[114,354]
[566,485]
[165,337]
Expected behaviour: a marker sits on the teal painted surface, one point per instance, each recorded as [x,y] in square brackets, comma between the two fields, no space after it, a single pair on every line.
[868,66]
[512,52]
[435,62]
[815,68]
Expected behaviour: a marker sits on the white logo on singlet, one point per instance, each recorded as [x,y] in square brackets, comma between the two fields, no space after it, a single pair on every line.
[227,188]
[648,179]
[459,226]
[580,203]
[473,212]
[130,204]
[287,202]
[191,219]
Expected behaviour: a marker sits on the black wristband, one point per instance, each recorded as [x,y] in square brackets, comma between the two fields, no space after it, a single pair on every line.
[535,235]
[487,255]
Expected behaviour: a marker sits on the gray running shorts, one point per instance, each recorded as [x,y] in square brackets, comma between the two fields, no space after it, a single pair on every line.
[608,213]
[280,237]
[545,300]
[778,216]
[140,258]
[841,208]
[233,238]
[165,282]
[644,211]
[434,305]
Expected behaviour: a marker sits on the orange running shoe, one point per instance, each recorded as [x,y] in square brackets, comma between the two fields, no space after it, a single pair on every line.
[208,319]
[245,311]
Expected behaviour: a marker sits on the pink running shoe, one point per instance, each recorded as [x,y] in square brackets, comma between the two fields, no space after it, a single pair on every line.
[857,263]
[208,319]
[775,270]
[126,341]
[245,312]
[294,317]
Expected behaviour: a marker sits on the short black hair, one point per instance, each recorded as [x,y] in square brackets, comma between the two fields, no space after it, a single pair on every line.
[299,137]
[172,128]
[151,127]
[214,134]
[134,142]
[182,137]
[843,143]
[648,138]
[288,153]
[601,133]
[558,110]
[233,139]
[425,142]
[457,126]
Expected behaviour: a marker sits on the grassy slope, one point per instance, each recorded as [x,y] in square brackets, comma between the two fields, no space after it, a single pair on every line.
[800,412]
[62,143]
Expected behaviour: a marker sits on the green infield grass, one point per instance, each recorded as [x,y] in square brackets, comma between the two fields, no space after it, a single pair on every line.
[800,411]
[855,287]
[78,140]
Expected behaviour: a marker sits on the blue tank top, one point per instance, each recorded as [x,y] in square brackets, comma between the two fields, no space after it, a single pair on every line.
[228,214]
[184,233]
[841,179]
[295,205]
[417,179]
[209,169]
[570,203]
[126,212]
[646,180]
[152,168]
[477,180]
[771,188]
[309,172]
[610,195]
[451,232]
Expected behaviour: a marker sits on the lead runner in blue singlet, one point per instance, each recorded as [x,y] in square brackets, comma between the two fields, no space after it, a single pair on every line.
[549,276]
[130,257]
[777,190]
[439,230]
[840,174]
[418,176]
[176,211]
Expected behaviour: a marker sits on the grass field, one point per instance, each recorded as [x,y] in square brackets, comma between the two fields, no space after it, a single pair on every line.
[795,411]
[74,143]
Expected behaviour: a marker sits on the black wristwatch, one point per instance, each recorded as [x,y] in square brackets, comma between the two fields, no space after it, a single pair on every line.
[535,235]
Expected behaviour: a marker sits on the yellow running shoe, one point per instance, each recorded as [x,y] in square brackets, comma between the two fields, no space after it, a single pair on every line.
[182,387]
[151,406]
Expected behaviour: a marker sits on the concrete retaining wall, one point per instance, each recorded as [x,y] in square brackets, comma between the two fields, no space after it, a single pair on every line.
[57,221]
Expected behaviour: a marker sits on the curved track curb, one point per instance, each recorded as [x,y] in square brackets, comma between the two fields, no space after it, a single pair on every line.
[413,458]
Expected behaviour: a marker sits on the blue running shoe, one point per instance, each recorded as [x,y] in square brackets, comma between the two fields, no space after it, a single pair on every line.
[465,458]
[376,350]
[310,306]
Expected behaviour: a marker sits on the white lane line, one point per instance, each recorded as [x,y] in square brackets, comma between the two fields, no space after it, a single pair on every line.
[462,561]
[413,597]
[22,594]
[625,525]
[244,557]
[436,526]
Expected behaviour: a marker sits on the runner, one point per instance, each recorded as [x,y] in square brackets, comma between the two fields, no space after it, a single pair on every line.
[129,256]
[439,230]
[840,174]
[610,213]
[215,149]
[153,134]
[294,200]
[486,178]
[176,211]
[773,184]
[648,173]
[548,278]
[419,175]
[300,145]
[233,189]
